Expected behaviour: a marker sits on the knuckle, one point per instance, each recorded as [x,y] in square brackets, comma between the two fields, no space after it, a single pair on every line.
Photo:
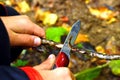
[64,74]
[24,19]
[31,41]
[25,16]
[28,41]
[66,71]
[69,78]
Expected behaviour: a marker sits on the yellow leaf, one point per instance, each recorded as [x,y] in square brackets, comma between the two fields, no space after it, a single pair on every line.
[66,26]
[40,14]
[100,49]
[81,38]
[50,19]
[111,20]
[24,7]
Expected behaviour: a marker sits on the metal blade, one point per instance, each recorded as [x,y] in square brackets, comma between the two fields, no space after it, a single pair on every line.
[69,42]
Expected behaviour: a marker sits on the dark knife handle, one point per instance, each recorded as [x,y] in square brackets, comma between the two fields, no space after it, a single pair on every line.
[62,60]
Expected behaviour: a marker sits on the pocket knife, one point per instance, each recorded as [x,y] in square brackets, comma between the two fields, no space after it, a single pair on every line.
[63,57]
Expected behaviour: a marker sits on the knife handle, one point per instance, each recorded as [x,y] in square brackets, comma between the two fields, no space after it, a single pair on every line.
[62,60]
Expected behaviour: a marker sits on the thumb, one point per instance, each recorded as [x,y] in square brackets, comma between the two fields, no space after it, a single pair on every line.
[48,64]
[25,40]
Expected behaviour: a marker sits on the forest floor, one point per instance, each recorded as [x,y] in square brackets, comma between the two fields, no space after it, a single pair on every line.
[99,31]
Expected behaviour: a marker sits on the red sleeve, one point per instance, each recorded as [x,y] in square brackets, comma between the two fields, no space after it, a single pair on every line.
[32,73]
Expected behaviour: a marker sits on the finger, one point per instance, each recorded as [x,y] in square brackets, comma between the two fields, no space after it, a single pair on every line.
[25,40]
[47,64]
[34,30]
[39,31]
[30,28]
[25,25]
[65,73]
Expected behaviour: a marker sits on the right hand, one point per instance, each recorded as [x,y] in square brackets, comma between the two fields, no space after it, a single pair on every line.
[61,73]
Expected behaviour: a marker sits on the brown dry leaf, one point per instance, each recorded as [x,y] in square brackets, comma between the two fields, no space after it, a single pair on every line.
[111,47]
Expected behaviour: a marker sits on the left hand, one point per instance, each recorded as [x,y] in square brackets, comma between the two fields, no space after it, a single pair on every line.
[22,31]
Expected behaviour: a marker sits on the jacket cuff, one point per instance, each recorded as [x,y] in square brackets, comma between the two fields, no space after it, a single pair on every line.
[32,73]
[4,45]
[3,10]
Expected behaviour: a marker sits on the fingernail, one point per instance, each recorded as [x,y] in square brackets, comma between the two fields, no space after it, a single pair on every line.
[51,56]
[37,41]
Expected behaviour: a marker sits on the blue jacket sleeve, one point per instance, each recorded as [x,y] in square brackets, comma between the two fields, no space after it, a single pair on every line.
[12,73]
[6,71]
[12,52]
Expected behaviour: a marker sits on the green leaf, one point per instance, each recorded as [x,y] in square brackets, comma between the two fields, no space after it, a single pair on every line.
[55,33]
[115,67]
[19,63]
[79,45]
[89,74]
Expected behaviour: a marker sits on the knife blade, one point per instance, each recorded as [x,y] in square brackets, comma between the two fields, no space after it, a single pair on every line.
[63,56]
